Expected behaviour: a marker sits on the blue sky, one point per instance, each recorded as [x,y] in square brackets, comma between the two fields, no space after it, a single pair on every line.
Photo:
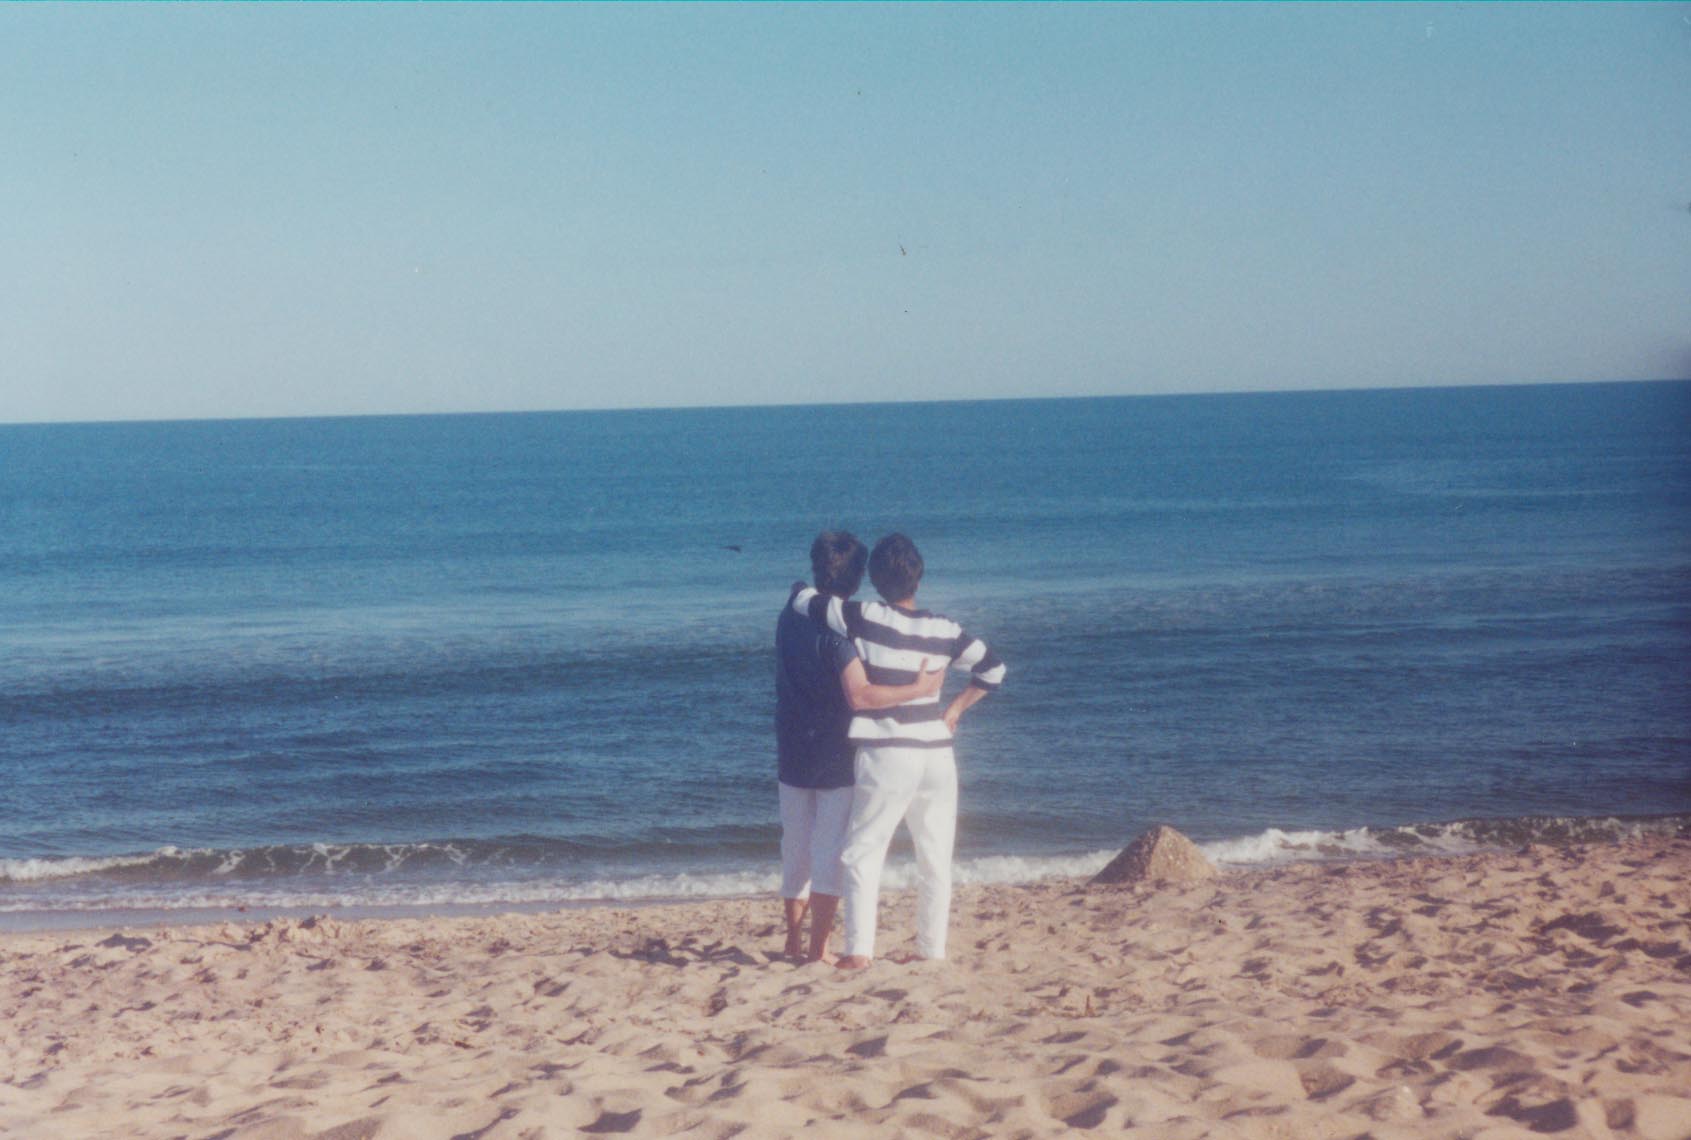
[264,210]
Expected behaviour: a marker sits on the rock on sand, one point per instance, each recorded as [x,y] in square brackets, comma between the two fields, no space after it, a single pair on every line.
[1161,854]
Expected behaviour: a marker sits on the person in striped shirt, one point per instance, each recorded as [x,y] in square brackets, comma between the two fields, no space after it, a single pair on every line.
[904,767]
[819,684]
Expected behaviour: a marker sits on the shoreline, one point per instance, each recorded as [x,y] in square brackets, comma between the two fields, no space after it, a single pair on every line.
[1248,854]
[1493,996]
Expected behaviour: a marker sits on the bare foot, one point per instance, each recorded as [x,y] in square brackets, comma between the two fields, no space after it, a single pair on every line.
[905,957]
[795,945]
[853,962]
[827,958]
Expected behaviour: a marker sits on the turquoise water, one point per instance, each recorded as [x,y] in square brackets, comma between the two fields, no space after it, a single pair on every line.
[528,657]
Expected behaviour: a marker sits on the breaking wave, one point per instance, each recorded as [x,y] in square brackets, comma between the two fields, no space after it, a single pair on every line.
[531,871]
[1455,837]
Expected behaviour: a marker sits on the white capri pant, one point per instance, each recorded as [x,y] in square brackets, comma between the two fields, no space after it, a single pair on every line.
[918,786]
[813,833]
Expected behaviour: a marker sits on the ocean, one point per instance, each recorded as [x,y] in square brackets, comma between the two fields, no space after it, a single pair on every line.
[526,659]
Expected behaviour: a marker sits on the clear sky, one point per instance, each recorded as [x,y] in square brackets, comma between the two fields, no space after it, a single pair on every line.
[264,210]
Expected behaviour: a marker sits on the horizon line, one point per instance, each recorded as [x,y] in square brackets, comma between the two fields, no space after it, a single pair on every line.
[643,408]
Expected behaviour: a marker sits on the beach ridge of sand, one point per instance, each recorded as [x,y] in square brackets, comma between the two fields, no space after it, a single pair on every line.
[1507,995]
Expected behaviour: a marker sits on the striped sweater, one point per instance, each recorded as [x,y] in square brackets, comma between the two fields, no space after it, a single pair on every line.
[894,643]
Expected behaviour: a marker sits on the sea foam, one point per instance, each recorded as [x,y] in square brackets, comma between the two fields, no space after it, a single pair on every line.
[328,876]
[47,868]
[1453,837]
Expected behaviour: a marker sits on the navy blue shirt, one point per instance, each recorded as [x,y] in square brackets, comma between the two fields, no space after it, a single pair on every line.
[811,714]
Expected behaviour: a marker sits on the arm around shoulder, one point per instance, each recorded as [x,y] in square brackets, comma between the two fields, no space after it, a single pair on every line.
[824,609]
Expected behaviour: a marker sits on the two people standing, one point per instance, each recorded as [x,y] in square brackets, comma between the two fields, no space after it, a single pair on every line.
[864,743]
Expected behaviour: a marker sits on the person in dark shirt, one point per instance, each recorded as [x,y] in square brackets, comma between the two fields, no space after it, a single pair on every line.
[819,683]
[905,768]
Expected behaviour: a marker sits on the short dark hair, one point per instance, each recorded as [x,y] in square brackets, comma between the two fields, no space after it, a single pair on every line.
[895,566]
[836,561]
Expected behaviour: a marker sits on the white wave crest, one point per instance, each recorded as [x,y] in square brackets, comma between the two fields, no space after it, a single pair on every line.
[74,883]
[1026,868]
[899,874]
[1453,837]
[1277,846]
[45,869]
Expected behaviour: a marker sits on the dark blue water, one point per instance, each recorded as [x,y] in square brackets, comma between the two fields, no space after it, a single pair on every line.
[528,657]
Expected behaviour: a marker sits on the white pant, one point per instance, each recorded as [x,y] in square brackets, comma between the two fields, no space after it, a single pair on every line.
[918,786]
[813,832]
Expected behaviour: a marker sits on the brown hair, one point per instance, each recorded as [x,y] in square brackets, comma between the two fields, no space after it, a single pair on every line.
[895,566]
[836,561]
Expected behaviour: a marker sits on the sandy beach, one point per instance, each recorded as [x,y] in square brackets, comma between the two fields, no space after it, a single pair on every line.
[1540,992]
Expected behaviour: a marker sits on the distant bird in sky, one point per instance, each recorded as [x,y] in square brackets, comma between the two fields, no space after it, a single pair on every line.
[733,547]
[901,252]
